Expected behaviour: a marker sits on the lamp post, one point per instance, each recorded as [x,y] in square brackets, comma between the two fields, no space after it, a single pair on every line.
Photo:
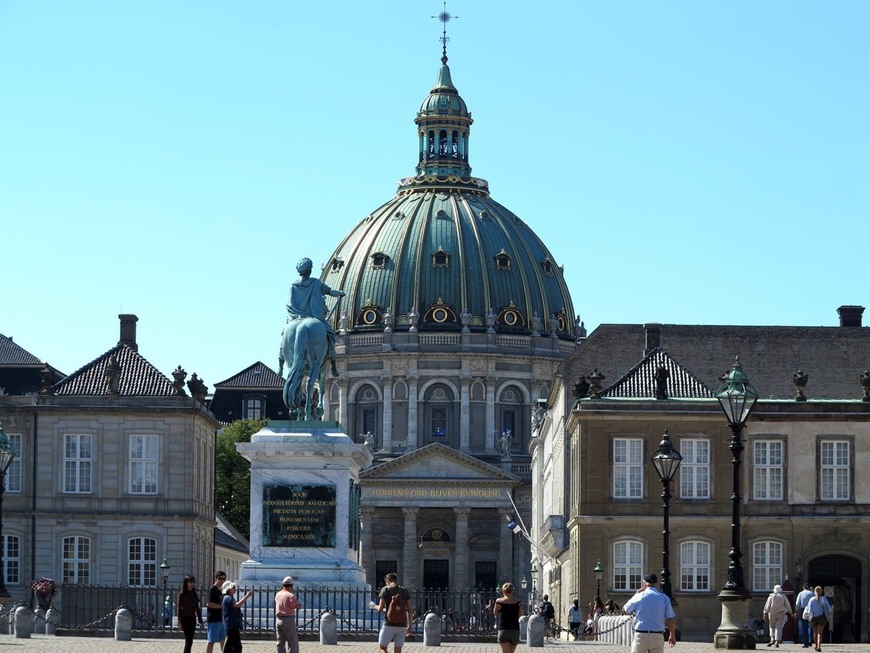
[167,609]
[533,594]
[599,574]
[666,461]
[7,453]
[737,398]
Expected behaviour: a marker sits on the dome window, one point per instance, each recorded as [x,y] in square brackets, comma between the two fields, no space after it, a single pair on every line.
[440,259]
[511,317]
[370,315]
[379,260]
[503,260]
[547,266]
[398,215]
[442,215]
[440,313]
[337,264]
[484,215]
[562,321]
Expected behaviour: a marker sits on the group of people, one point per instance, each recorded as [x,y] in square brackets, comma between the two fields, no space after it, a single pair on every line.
[224,615]
[811,612]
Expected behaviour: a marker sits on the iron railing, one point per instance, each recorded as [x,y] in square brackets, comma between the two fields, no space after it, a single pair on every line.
[93,607]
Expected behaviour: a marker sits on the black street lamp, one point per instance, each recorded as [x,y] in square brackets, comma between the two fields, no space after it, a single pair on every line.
[737,397]
[666,460]
[599,574]
[7,453]
[167,609]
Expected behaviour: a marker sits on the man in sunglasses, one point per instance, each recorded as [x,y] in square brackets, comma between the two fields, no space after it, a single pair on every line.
[215,631]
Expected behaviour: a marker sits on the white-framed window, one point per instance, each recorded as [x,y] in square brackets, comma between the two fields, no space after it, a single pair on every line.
[767,469]
[695,566]
[835,470]
[627,468]
[144,463]
[78,460]
[142,562]
[627,564]
[254,408]
[766,565]
[11,559]
[13,472]
[76,560]
[695,469]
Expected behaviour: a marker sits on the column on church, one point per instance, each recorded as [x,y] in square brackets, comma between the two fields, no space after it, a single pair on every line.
[342,416]
[410,554]
[461,553]
[412,413]
[387,435]
[367,515]
[505,553]
[490,415]
[464,416]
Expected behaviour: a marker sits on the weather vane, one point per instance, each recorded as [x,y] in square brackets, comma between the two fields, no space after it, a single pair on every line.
[445,18]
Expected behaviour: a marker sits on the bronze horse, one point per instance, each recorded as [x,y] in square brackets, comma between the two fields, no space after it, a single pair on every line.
[304,350]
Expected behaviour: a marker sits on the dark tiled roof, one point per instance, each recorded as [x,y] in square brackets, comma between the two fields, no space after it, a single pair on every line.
[257,375]
[228,537]
[12,354]
[640,381]
[833,357]
[138,377]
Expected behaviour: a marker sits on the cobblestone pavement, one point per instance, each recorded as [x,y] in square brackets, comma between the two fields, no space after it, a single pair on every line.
[56,644]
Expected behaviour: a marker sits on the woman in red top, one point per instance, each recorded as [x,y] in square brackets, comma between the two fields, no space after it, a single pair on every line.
[189,611]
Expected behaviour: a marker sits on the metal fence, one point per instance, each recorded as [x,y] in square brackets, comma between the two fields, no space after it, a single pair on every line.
[93,607]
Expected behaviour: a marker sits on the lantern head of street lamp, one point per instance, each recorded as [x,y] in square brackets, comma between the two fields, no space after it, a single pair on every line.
[164,569]
[599,571]
[736,395]
[7,453]
[524,583]
[666,459]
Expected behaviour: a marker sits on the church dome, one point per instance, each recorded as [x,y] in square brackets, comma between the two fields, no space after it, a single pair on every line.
[443,255]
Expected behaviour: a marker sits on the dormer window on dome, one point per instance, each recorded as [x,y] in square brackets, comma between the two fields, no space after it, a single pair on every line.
[379,260]
[336,264]
[370,315]
[440,259]
[440,313]
[503,260]
[510,317]
[547,266]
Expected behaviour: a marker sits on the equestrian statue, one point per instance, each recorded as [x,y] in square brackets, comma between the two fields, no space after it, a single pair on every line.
[307,342]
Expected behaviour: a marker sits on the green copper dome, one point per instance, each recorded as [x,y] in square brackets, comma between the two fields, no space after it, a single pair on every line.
[442,254]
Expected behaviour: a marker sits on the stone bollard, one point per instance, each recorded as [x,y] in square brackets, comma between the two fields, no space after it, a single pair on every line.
[536,627]
[328,629]
[523,626]
[51,619]
[123,625]
[432,630]
[23,622]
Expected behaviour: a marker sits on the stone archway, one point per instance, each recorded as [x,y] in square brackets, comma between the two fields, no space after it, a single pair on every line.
[841,578]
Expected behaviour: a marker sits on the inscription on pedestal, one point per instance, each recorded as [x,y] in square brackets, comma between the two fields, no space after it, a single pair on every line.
[299,516]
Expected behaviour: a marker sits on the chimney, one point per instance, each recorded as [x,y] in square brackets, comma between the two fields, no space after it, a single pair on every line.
[652,332]
[850,316]
[128,331]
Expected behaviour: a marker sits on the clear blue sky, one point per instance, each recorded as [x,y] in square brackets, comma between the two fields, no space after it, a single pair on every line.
[687,162]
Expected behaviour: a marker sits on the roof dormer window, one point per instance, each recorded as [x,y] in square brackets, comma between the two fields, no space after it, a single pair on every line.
[379,260]
[503,260]
[440,259]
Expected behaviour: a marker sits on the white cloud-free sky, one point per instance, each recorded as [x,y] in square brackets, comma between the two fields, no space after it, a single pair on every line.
[690,161]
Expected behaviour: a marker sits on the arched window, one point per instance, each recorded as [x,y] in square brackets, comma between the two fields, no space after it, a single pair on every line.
[142,562]
[76,560]
[766,565]
[694,566]
[627,564]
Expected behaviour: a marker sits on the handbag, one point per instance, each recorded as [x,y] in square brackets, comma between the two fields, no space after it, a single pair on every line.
[807,614]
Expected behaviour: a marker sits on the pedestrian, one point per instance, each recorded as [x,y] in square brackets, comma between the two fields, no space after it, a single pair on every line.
[575,619]
[653,613]
[818,610]
[548,612]
[189,611]
[801,602]
[215,631]
[776,610]
[286,605]
[507,610]
[395,601]
[595,613]
[232,615]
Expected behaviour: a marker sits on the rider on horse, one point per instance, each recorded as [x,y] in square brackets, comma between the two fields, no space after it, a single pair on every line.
[306,300]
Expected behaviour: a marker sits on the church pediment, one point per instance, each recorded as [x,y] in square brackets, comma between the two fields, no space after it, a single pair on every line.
[437,462]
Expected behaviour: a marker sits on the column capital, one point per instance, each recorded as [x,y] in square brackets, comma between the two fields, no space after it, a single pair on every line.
[410,513]
[462,513]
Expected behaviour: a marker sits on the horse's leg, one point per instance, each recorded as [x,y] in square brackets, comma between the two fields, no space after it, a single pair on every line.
[297,369]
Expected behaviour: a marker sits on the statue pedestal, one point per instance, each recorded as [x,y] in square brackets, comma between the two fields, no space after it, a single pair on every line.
[304,505]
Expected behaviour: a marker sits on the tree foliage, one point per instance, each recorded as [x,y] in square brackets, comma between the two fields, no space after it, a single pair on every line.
[232,474]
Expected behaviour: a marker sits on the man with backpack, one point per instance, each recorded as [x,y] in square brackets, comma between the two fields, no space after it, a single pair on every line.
[548,612]
[395,601]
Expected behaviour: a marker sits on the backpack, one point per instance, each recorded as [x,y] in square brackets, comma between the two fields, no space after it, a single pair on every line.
[549,610]
[396,610]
